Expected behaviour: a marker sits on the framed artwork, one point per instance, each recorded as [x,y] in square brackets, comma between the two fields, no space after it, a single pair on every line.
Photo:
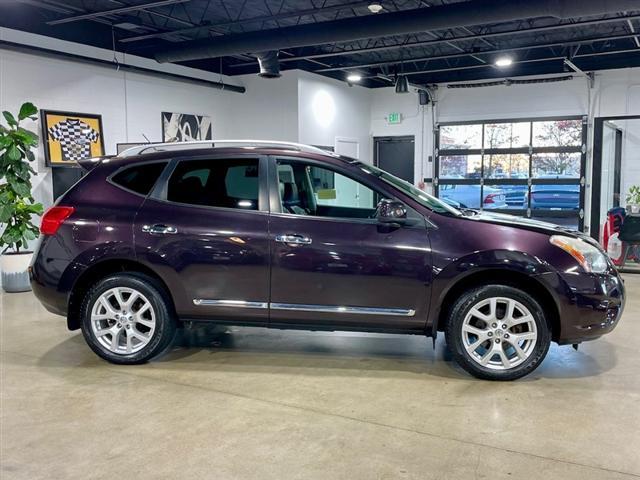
[70,137]
[184,127]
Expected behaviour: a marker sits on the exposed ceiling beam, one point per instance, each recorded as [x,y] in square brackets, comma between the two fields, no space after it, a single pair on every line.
[630,23]
[474,12]
[545,28]
[114,11]
[59,8]
[574,41]
[535,60]
[244,21]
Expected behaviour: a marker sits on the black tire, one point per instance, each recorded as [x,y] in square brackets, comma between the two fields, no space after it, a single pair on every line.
[454,333]
[165,322]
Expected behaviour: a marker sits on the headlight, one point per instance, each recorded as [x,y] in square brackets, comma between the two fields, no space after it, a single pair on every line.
[587,255]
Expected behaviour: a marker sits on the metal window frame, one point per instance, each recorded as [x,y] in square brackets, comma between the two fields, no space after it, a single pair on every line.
[596,176]
[530,151]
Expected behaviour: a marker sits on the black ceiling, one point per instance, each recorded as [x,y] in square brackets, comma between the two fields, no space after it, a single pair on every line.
[145,27]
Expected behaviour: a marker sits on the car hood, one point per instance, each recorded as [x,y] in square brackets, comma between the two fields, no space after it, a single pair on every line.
[525,224]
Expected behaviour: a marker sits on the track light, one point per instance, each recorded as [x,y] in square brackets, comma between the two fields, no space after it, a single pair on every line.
[504,61]
[375,7]
[402,84]
[354,78]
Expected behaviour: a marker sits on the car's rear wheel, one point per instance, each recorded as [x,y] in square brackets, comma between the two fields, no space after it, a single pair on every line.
[498,332]
[126,318]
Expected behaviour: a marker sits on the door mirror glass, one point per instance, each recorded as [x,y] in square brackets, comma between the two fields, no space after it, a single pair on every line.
[391,211]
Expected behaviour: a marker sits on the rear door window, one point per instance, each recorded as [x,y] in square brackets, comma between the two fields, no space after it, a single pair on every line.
[228,183]
[139,178]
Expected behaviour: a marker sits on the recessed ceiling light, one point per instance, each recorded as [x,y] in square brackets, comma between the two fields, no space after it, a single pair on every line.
[375,7]
[504,61]
[354,77]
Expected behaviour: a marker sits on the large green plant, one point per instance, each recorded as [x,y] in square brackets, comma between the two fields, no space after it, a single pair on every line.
[17,205]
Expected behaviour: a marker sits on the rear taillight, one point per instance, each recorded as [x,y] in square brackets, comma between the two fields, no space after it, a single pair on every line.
[53,218]
[490,198]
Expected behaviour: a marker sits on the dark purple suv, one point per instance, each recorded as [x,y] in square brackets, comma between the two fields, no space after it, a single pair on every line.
[283,235]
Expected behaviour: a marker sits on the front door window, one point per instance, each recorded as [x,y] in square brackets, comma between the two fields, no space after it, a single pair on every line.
[317,191]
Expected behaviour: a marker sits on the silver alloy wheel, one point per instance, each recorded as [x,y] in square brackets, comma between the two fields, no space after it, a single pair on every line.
[123,320]
[499,333]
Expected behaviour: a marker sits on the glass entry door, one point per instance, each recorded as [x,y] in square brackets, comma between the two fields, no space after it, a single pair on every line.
[533,168]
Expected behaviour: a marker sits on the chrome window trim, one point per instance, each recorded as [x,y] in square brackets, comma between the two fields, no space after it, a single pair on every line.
[403,312]
[229,303]
[406,312]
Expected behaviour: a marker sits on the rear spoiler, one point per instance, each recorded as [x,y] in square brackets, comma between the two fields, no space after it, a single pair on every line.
[89,164]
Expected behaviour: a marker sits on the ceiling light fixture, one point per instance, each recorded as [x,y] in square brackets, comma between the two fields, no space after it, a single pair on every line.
[504,61]
[375,7]
[354,77]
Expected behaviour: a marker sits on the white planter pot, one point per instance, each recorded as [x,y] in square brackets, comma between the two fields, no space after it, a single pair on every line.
[15,274]
[633,209]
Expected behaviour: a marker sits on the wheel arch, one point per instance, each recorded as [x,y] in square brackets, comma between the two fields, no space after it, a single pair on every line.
[99,270]
[498,276]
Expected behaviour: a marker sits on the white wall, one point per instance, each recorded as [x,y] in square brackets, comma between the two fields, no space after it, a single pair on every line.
[328,109]
[267,111]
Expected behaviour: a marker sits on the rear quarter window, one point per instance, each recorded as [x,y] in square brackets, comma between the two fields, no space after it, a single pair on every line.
[139,178]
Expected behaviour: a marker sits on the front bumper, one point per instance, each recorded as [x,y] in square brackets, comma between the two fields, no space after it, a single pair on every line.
[589,305]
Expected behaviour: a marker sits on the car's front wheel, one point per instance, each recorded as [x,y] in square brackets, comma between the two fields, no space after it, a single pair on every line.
[498,332]
[126,318]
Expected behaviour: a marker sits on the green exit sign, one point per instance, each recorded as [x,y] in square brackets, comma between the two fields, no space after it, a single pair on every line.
[394,118]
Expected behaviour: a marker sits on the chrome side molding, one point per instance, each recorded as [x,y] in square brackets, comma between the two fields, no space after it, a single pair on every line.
[402,312]
[229,303]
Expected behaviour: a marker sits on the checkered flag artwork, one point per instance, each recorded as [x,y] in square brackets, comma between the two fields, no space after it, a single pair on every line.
[75,138]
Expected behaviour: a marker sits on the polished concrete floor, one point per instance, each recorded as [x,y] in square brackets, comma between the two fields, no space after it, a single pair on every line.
[259,404]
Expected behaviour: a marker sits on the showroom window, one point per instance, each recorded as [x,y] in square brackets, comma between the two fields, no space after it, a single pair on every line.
[231,183]
[528,167]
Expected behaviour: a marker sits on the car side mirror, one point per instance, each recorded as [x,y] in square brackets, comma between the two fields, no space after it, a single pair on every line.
[391,211]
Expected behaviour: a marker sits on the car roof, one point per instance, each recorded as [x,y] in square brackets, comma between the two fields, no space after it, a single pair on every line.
[157,152]
[206,144]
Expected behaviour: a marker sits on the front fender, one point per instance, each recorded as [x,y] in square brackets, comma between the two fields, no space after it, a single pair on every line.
[492,263]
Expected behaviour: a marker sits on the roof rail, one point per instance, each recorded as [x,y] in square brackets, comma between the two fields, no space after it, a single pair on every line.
[162,147]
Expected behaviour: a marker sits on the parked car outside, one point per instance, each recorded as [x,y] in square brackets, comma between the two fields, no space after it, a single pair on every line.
[555,196]
[515,195]
[468,196]
[163,235]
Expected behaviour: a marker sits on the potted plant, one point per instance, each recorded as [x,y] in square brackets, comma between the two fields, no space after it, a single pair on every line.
[633,200]
[17,205]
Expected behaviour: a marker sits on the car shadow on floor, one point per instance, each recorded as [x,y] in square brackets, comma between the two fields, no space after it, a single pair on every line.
[243,349]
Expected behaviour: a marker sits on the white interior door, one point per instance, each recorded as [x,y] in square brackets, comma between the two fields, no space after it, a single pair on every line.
[359,197]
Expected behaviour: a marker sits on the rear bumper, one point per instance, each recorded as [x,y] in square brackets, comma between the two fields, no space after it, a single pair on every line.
[54,301]
[590,305]
[52,278]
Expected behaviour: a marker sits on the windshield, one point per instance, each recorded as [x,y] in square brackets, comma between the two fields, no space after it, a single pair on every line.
[418,195]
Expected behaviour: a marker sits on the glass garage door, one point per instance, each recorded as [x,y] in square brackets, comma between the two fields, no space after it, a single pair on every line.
[532,168]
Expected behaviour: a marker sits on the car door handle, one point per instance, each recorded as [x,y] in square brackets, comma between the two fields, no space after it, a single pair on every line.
[159,229]
[293,240]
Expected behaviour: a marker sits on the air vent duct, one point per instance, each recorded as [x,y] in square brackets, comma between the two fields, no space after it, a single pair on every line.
[511,81]
[269,65]
[402,84]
